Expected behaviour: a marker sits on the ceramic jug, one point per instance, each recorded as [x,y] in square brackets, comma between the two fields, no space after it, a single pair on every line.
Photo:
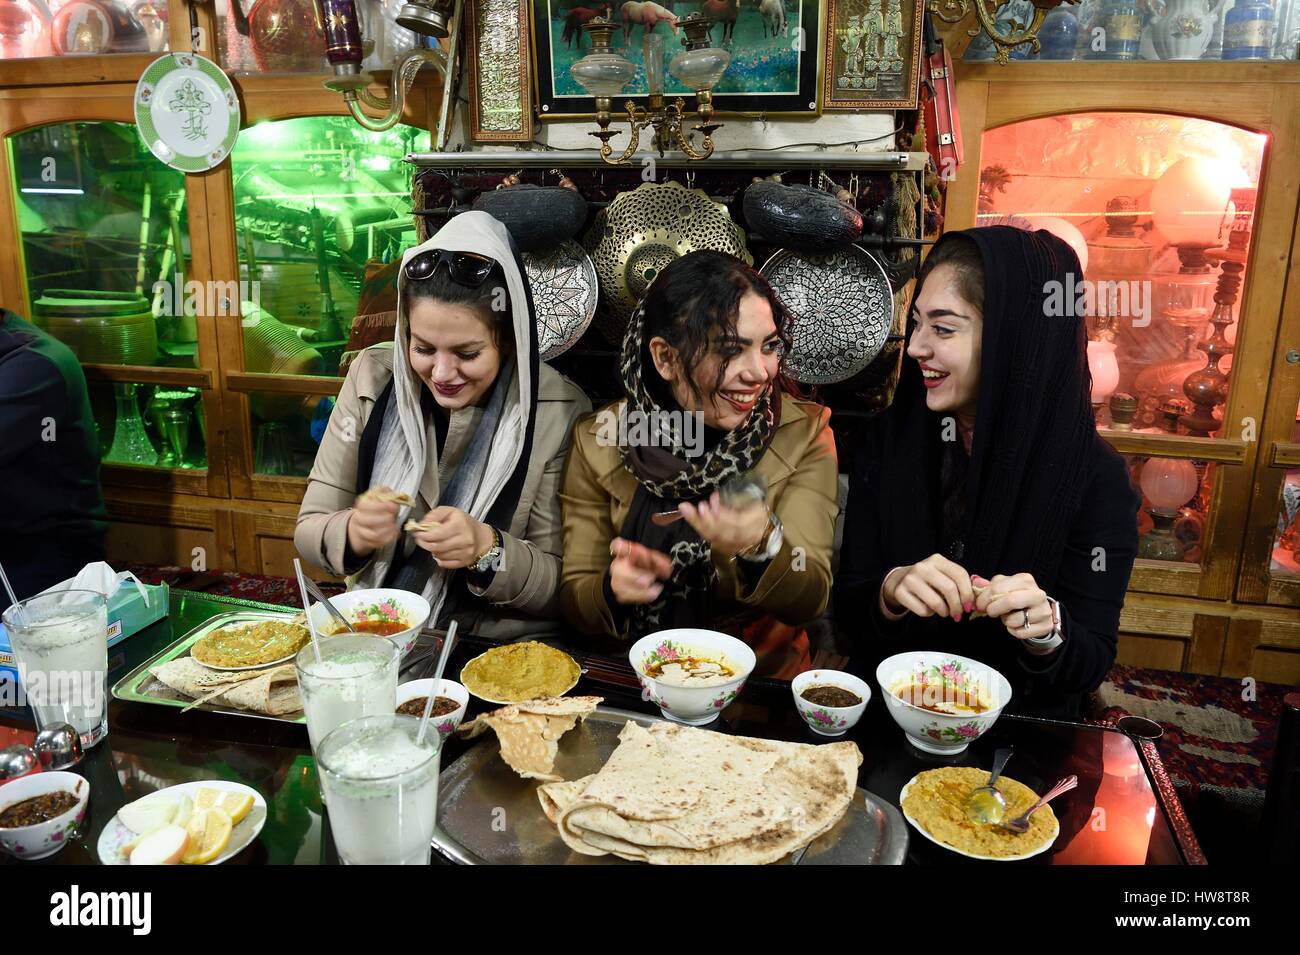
[1184,29]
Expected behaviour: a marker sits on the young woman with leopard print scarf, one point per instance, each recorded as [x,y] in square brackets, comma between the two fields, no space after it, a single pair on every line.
[704,413]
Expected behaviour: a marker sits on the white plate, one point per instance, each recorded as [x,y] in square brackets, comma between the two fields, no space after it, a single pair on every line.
[508,702]
[970,855]
[255,666]
[116,835]
[187,111]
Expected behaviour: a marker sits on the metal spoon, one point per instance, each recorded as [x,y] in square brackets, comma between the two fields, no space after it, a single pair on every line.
[322,599]
[1021,823]
[737,491]
[985,806]
[17,761]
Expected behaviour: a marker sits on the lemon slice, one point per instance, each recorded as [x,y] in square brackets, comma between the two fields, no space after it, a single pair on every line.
[236,805]
[206,798]
[209,832]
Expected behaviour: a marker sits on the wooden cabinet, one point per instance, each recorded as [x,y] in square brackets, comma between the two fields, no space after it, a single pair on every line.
[1232,607]
[66,121]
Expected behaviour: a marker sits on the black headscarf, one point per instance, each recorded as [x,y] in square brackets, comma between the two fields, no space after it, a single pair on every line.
[1034,429]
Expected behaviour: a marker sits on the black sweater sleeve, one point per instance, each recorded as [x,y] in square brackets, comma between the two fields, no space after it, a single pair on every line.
[1092,580]
[863,562]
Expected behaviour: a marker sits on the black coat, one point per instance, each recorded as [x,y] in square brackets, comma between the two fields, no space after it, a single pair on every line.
[1090,599]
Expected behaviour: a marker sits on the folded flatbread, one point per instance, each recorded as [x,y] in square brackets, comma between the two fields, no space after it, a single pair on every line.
[420,526]
[530,731]
[673,794]
[976,614]
[274,692]
[388,495]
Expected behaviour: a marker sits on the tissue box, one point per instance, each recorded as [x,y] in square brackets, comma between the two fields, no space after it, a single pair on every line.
[127,614]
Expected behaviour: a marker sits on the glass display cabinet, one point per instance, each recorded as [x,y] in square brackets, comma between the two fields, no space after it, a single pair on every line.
[210,311]
[1176,183]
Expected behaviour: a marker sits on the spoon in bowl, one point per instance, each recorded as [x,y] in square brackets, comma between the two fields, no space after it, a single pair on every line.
[1021,823]
[985,806]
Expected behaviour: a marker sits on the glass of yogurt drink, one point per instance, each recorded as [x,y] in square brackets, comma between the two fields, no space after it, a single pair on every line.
[60,642]
[381,789]
[355,676]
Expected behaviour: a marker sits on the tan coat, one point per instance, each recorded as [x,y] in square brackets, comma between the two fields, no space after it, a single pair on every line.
[523,592]
[801,470]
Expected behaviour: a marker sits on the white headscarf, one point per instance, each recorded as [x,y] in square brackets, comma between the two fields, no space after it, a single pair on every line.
[403,453]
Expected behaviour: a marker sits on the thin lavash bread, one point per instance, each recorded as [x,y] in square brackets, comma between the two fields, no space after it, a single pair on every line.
[675,795]
[529,732]
[275,693]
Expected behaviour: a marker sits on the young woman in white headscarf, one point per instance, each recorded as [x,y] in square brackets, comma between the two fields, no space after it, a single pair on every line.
[459,415]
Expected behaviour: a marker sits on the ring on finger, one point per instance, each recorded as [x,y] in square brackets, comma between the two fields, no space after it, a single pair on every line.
[1025,624]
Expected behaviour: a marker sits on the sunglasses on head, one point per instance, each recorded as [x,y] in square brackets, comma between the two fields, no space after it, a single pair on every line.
[465,268]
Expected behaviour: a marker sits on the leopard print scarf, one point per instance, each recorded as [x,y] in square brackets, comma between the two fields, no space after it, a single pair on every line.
[667,476]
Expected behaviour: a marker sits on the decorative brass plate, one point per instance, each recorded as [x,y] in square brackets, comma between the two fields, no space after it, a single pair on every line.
[565,289]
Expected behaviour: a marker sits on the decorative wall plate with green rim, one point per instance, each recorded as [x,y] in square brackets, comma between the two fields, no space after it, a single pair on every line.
[187,112]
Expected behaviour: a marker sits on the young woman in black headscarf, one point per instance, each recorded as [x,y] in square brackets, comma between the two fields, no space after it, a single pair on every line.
[986,518]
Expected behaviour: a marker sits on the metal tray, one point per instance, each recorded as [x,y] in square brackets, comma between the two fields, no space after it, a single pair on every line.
[488,815]
[141,686]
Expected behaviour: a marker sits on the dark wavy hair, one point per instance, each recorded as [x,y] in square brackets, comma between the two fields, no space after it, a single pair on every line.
[441,287]
[696,300]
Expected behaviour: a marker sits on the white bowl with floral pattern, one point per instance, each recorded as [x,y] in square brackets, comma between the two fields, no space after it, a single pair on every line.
[447,723]
[692,705]
[44,838]
[830,720]
[945,679]
[376,604]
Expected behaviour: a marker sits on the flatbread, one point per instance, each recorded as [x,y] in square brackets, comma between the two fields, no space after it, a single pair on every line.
[976,614]
[420,526]
[529,732]
[389,496]
[274,692]
[674,795]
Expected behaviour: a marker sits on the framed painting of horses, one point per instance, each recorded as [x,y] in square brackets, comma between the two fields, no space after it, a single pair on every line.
[774,46]
[500,82]
[872,54]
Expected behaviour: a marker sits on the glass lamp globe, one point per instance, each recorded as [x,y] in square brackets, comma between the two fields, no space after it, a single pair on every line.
[1190,199]
[700,69]
[603,74]
[1168,483]
[1105,370]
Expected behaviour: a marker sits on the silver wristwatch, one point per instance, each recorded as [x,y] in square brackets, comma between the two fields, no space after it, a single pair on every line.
[771,546]
[490,557]
[1049,641]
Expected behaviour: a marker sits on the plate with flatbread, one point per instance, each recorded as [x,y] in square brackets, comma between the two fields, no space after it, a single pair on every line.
[934,802]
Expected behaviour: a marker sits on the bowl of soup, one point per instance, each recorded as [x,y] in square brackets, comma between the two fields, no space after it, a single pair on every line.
[830,701]
[943,702]
[396,615]
[691,674]
[449,703]
[39,813]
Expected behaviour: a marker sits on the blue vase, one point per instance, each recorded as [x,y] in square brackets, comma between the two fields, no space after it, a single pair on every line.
[1058,34]
[1248,31]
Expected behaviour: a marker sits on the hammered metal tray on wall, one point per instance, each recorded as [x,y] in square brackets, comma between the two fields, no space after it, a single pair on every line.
[641,232]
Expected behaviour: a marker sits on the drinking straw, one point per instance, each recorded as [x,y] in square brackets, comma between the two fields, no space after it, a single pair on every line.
[437,681]
[19,611]
[306,607]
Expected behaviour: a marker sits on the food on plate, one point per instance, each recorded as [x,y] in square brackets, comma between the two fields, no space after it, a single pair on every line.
[691,671]
[150,813]
[942,698]
[673,794]
[250,645]
[274,692]
[389,496]
[378,628]
[936,802]
[530,731]
[209,834]
[165,846]
[825,695]
[420,526]
[517,672]
[237,805]
[36,810]
[442,705]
